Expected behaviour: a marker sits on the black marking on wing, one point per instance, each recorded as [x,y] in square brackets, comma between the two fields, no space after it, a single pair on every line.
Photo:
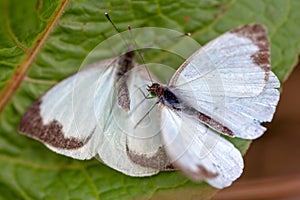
[215,124]
[258,35]
[158,161]
[208,121]
[51,133]
[125,63]
[123,93]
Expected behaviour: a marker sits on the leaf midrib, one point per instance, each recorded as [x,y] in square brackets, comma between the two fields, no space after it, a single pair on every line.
[18,75]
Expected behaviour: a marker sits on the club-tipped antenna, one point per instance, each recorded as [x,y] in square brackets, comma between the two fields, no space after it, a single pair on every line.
[140,55]
[187,34]
[135,44]
[115,27]
[107,16]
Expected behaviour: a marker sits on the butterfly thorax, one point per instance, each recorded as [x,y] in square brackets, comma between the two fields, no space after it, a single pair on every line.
[165,96]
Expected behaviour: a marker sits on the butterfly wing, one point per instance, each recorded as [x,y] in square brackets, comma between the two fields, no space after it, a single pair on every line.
[81,117]
[63,117]
[197,151]
[229,80]
[132,142]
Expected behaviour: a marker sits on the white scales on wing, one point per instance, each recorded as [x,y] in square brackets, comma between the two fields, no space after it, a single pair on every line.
[88,115]
[135,151]
[234,84]
[96,111]
[192,147]
[226,87]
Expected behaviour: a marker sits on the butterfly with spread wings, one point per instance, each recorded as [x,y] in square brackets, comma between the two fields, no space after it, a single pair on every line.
[225,87]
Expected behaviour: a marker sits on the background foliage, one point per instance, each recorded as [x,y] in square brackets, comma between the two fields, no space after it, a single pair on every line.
[31,171]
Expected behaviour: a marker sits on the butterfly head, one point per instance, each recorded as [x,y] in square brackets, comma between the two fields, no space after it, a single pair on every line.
[155,90]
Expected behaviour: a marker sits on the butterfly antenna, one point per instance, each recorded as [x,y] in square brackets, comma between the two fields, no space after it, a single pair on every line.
[186,34]
[115,27]
[112,23]
[140,55]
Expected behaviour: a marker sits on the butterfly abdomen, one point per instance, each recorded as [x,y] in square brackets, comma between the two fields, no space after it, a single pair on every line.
[172,100]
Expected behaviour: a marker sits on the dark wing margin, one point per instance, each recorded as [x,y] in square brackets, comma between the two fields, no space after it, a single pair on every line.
[125,63]
[158,161]
[258,35]
[51,133]
[123,93]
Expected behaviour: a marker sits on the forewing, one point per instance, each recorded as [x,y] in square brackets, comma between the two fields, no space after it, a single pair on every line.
[235,64]
[132,142]
[198,151]
[64,120]
[235,86]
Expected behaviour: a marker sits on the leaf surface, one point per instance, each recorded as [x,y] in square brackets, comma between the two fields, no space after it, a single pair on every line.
[28,169]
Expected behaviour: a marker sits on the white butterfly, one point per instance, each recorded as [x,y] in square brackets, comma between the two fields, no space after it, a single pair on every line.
[225,87]
[85,115]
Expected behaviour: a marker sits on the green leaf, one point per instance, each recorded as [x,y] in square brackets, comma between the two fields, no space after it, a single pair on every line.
[31,171]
